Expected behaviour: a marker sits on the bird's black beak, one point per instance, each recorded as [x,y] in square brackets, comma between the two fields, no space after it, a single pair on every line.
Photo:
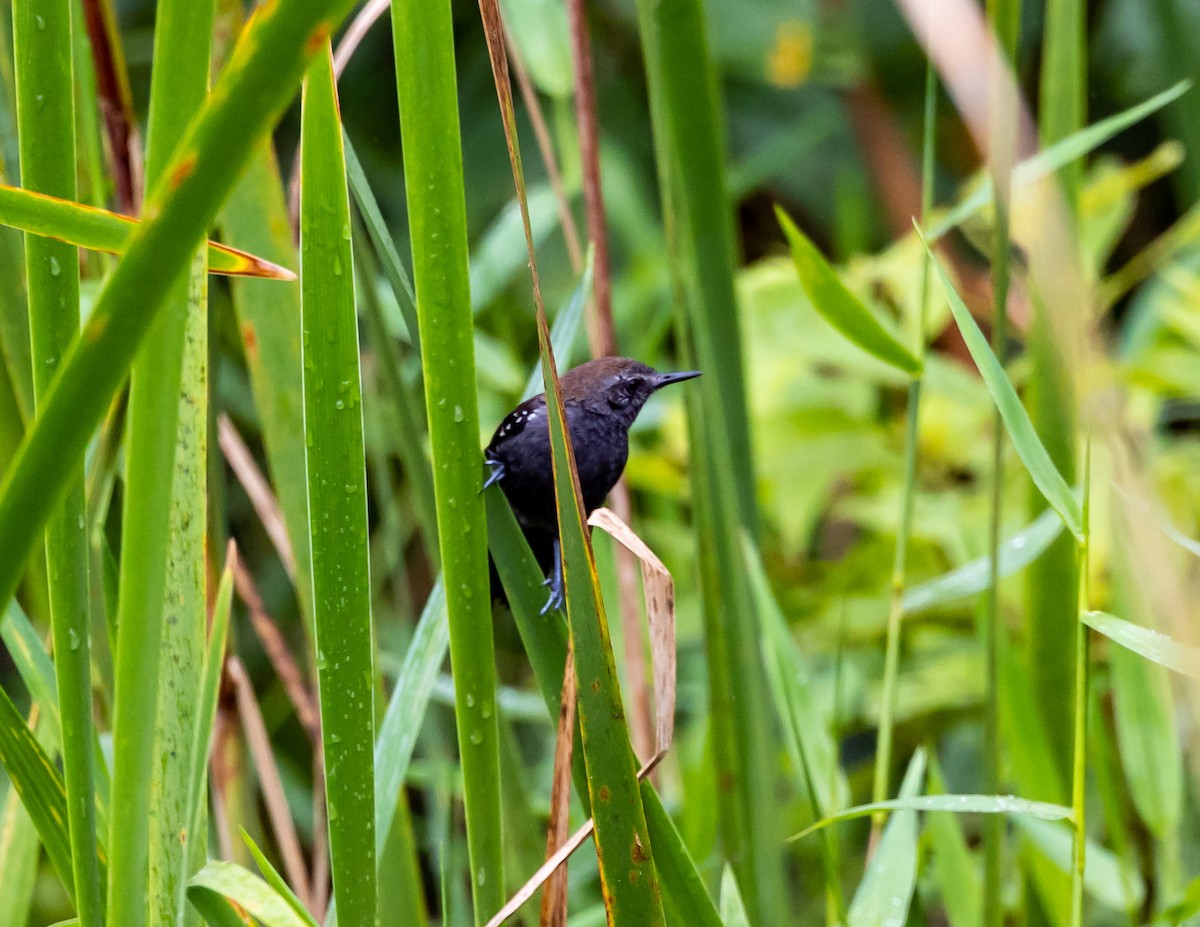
[666,379]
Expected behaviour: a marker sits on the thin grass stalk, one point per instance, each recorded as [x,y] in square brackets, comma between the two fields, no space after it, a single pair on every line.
[425,77]
[337,494]
[1079,751]
[1004,19]
[891,664]
[689,143]
[46,121]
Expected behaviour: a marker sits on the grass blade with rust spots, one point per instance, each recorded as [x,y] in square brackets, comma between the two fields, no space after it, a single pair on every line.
[101,230]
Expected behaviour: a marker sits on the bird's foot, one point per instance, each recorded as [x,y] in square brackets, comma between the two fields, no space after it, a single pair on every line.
[497,474]
[554,581]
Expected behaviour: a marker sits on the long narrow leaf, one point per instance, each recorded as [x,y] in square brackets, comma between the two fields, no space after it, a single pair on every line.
[247,890]
[1153,645]
[42,50]
[110,232]
[841,308]
[333,425]
[423,39]
[1020,429]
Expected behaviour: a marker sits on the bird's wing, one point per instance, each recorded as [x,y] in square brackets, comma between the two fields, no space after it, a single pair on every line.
[516,420]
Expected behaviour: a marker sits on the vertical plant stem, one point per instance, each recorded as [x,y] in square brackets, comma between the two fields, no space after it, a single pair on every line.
[1004,18]
[46,119]
[601,332]
[1079,752]
[424,43]
[891,663]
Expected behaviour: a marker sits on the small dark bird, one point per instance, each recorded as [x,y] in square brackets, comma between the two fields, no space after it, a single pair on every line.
[601,399]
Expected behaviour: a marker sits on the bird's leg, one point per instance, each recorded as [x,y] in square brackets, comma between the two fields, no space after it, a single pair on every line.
[555,582]
[497,474]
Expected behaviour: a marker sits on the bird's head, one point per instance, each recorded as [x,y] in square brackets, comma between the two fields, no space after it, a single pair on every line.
[617,385]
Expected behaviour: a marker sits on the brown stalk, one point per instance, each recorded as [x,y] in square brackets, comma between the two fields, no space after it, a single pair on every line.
[244,467]
[554,899]
[277,651]
[112,88]
[278,813]
[601,332]
[545,145]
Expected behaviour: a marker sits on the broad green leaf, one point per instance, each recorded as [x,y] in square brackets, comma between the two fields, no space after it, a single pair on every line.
[1016,552]
[885,893]
[1020,429]
[956,804]
[245,889]
[1153,645]
[841,308]
[101,230]
[539,31]
[500,254]
[337,493]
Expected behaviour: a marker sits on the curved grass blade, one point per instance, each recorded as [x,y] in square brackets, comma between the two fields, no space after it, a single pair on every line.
[276,881]
[1056,157]
[1153,645]
[1020,429]
[841,308]
[37,780]
[337,493]
[245,889]
[252,91]
[1016,552]
[1105,877]
[956,804]
[100,230]
[423,38]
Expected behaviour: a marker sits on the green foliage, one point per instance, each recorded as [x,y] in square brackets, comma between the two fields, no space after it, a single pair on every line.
[825,497]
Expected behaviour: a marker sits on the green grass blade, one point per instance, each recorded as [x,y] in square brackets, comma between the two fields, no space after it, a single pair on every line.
[268,317]
[733,910]
[1016,552]
[953,867]
[256,85]
[337,495]
[841,308]
[245,889]
[19,854]
[46,125]
[886,891]
[161,605]
[276,881]
[1153,645]
[206,700]
[1020,429]
[954,804]
[564,333]
[382,243]
[37,780]
[1107,881]
[1056,157]
[423,40]
[101,230]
